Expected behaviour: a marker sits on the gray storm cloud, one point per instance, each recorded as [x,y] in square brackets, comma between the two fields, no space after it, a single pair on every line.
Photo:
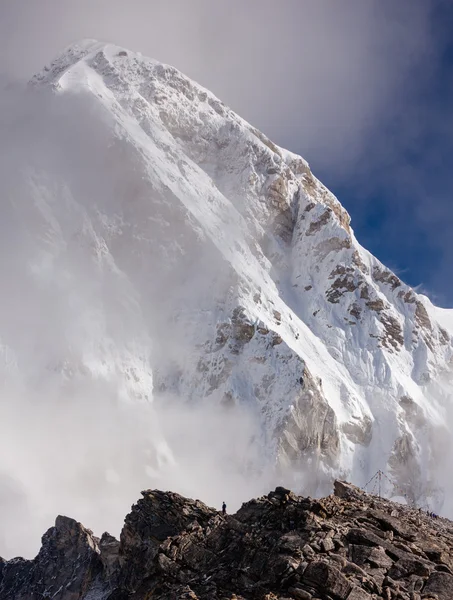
[320,77]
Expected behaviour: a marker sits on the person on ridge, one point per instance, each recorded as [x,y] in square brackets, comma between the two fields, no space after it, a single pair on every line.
[224,509]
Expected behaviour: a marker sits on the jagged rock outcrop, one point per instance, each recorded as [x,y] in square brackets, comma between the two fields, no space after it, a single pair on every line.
[65,567]
[348,546]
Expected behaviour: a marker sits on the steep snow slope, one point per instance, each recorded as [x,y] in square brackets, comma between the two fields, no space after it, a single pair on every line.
[236,282]
[287,291]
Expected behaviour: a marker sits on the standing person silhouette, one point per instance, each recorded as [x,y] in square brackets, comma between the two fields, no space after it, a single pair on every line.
[224,509]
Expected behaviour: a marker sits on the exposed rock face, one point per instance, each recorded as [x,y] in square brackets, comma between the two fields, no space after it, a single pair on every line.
[348,546]
[311,429]
[64,569]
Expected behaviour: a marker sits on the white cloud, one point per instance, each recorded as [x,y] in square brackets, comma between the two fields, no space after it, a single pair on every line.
[320,77]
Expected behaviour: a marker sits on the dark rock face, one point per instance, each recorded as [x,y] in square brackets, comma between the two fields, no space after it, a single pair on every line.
[64,569]
[348,546]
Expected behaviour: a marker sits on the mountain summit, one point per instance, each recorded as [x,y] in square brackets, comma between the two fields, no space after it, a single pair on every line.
[217,271]
[274,301]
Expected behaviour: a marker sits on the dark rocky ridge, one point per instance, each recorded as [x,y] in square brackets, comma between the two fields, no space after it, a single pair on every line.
[348,546]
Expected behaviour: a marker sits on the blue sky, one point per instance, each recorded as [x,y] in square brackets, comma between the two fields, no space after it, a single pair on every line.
[400,195]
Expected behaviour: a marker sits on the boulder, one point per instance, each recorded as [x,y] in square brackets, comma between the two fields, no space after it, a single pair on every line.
[327,579]
[440,584]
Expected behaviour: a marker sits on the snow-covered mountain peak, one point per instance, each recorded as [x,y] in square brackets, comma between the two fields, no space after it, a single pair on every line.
[197,262]
[300,274]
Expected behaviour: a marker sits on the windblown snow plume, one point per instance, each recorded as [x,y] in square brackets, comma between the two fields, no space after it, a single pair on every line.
[185,306]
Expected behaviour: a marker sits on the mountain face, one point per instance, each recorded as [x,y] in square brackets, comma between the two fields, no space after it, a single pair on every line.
[180,258]
[348,546]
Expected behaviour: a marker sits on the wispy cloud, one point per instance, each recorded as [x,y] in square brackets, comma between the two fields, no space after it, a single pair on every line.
[320,77]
